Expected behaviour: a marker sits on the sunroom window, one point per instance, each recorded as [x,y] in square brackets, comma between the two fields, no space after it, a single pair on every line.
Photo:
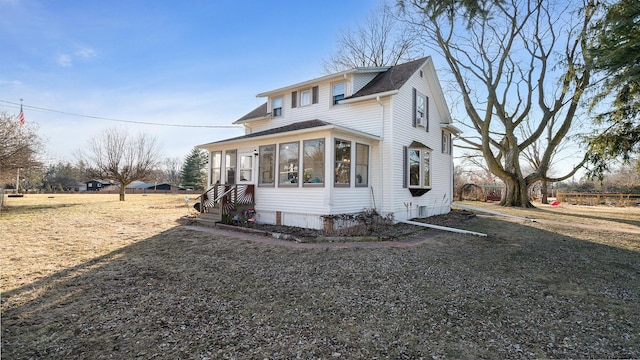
[342,163]
[289,162]
[267,158]
[216,163]
[313,162]
[231,164]
[362,165]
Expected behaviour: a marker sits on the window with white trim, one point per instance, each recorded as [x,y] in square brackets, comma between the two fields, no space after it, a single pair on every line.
[266,166]
[216,164]
[276,105]
[342,168]
[313,162]
[362,165]
[246,167]
[417,170]
[230,161]
[289,156]
[446,142]
[338,92]
[305,97]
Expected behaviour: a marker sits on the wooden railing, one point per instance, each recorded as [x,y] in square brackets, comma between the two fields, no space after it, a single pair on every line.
[227,199]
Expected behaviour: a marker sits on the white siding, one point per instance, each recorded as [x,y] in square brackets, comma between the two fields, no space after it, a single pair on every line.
[438,199]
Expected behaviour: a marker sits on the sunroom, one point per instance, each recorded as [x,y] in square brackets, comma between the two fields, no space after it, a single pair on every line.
[291,175]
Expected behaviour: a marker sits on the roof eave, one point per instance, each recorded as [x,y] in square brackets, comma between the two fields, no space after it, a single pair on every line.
[294,132]
[368,97]
[454,130]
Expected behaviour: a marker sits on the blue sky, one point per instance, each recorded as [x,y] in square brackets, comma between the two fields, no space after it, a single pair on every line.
[174,62]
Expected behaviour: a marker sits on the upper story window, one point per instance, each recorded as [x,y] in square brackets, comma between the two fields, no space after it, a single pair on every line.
[276,105]
[421,110]
[446,143]
[338,92]
[342,163]
[305,97]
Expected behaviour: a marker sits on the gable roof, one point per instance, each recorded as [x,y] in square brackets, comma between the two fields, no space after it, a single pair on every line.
[390,80]
[257,113]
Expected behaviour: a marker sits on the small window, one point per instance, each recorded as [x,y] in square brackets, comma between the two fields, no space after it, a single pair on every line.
[230,163]
[313,162]
[420,106]
[338,92]
[216,164]
[342,163]
[314,95]
[362,165]
[446,143]
[288,166]
[267,158]
[294,99]
[421,110]
[277,107]
[305,97]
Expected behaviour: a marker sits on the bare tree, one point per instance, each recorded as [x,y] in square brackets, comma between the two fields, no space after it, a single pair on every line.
[379,41]
[19,146]
[513,60]
[115,155]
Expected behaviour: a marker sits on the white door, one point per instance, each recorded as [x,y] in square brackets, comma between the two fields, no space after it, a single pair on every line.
[246,171]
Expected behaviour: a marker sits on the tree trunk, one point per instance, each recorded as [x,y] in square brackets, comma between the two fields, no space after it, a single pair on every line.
[543,193]
[516,193]
[121,193]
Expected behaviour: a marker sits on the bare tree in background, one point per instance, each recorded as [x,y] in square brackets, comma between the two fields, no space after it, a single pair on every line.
[116,155]
[19,145]
[379,41]
[513,61]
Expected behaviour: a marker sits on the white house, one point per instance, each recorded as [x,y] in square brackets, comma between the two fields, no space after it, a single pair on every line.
[366,138]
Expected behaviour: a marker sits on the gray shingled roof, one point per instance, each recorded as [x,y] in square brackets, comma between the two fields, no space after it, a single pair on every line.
[283,129]
[260,111]
[391,79]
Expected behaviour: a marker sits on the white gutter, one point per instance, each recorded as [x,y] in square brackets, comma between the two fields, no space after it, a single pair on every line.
[380,167]
[438,227]
[368,97]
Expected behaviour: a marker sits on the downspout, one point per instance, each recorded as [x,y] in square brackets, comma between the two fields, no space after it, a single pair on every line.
[381,167]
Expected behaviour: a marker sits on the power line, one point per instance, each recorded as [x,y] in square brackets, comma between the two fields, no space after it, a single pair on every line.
[118,120]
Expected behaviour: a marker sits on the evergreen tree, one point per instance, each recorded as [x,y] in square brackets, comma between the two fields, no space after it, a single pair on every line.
[193,170]
[615,51]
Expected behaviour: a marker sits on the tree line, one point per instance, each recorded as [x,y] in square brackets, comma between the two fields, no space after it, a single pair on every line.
[113,155]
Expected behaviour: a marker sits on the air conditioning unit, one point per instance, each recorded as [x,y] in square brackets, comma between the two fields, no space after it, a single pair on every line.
[421,122]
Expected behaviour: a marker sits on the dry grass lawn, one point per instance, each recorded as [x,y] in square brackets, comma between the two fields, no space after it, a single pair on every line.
[87,276]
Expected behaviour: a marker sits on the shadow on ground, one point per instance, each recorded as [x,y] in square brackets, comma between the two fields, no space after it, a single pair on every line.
[519,293]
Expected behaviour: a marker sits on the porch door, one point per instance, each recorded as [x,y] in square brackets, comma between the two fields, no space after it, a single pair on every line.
[247,171]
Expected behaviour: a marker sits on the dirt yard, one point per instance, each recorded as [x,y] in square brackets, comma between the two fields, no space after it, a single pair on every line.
[87,276]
